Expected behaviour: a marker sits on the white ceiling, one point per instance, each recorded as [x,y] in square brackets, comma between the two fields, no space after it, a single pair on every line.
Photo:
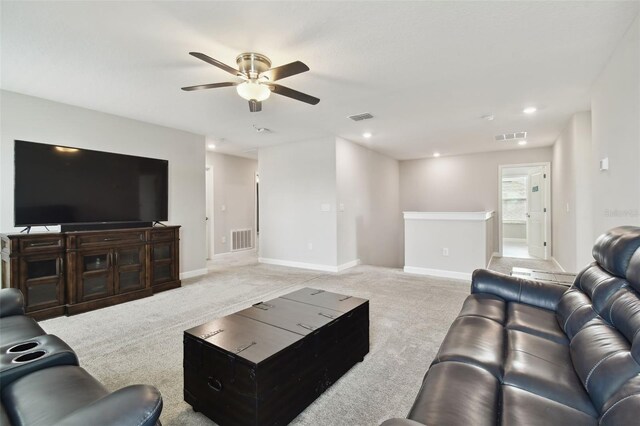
[427,71]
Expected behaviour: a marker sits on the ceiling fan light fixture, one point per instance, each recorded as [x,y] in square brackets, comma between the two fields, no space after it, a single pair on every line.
[251,90]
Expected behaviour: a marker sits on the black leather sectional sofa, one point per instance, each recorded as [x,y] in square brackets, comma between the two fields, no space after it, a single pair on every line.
[41,383]
[526,353]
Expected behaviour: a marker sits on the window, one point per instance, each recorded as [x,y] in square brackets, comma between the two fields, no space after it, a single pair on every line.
[514,199]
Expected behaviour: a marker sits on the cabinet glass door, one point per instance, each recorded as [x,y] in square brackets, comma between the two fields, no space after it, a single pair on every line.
[42,283]
[95,274]
[129,271]
[162,262]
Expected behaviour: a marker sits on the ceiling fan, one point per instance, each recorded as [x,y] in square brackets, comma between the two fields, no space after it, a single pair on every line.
[257,79]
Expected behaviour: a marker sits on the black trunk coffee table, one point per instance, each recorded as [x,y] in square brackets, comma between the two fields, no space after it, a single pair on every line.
[265,364]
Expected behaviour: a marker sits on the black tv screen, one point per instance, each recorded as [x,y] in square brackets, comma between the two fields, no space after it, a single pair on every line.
[65,185]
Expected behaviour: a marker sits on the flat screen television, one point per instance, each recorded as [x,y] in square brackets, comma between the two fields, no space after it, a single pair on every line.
[59,185]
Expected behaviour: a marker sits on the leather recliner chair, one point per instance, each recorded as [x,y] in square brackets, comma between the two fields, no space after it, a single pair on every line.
[41,383]
[523,352]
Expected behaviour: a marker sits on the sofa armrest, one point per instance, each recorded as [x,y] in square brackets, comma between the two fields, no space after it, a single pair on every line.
[401,422]
[512,289]
[11,302]
[137,405]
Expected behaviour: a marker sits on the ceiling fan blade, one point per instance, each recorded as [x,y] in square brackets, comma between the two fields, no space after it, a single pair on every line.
[255,106]
[209,86]
[284,71]
[216,63]
[293,94]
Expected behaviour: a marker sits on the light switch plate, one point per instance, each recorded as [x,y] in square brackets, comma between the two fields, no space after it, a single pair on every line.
[325,207]
[604,164]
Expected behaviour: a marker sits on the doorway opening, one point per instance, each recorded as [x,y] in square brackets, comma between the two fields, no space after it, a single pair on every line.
[525,210]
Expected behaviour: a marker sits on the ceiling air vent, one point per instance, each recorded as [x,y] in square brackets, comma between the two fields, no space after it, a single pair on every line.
[511,136]
[360,117]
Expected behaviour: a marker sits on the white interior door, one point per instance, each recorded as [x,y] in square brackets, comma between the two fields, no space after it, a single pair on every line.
[536,214]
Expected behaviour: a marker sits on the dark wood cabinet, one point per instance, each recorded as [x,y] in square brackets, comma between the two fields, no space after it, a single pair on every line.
[164,260]
[35,265]
[94,275]
[73,272]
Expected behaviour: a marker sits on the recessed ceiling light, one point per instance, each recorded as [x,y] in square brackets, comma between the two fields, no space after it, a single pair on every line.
[488,117]
[436,154]
[529,110]
[211,146]
[366,135]
[522,143]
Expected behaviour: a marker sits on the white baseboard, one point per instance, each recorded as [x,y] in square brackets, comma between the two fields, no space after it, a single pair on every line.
[229,253]
[194,273]
[553,259]
[438,273]
[348,265]
[311,266]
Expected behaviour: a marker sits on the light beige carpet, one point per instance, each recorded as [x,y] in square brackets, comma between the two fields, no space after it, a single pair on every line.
[141,341]
[505,264]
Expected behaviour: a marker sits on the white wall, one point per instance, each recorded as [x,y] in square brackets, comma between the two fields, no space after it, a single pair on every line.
[615,109]
[38,120]
[599,200]
[466,241]
[460,183]
[571,194]
[234,187]
[296,179]
[370,227]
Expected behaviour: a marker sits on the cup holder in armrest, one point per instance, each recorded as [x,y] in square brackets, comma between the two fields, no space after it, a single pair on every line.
[31,356]
[23,347]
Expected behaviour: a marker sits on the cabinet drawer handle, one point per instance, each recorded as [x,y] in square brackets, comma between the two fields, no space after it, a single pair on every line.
[214,384]
[48,243]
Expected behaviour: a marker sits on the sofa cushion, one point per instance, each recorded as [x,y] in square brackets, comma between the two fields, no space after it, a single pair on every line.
[11,302]
[522,408]
[574,311]
[537,321]
[484,305]
[543,367]
[599,286]
[44,397]
[455,394]
[633,271]
[4,419]
[614,249]
[475,340]
[18,328]
[623,406]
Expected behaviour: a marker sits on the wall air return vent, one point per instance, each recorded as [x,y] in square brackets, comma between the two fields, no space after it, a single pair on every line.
[360,117]
[241,239]
[511,136]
